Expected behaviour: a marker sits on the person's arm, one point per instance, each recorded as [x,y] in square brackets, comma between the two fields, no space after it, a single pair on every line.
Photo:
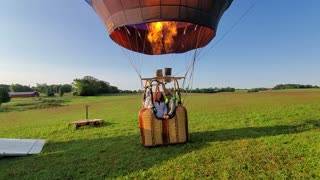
[156,89]
[147,102]
[172,107]
[164,88]
[165,111]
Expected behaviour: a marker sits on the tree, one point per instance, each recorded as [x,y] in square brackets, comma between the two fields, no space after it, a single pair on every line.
[66,88]
[20,88]
[6,87]
[114,89]
[55,88]
[49,92]
[90,86]
[61,92]
[41,88]
[4,96]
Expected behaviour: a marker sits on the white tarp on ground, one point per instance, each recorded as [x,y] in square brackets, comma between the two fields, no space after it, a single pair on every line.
[20,147]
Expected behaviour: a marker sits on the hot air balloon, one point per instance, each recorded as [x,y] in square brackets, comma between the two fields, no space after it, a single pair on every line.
[158,27]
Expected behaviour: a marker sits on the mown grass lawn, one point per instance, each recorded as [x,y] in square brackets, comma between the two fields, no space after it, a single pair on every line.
[267,135]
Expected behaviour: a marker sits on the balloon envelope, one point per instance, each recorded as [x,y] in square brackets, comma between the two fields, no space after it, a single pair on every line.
[161,26]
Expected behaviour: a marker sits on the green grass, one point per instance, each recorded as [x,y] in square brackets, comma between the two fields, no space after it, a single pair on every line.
[24,104]
[265,135]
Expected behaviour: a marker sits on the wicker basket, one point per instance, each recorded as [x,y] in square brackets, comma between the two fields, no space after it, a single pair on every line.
[155,132]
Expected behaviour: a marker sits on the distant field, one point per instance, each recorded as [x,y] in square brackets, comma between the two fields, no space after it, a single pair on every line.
[265,135]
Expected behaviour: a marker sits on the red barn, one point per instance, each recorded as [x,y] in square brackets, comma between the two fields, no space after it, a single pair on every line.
[23,94]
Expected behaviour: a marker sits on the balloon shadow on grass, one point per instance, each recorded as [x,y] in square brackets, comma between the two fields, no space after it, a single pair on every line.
[113,157]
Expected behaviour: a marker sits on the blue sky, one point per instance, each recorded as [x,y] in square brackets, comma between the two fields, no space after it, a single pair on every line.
[57,41]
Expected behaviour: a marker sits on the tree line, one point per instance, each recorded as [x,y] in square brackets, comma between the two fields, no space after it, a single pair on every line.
[257,90]
[283,86]
[86,86]
[208,90]
[42,88]
[294,86]
[90,86]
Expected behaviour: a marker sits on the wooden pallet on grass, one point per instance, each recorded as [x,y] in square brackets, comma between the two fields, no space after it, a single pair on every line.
[87,122]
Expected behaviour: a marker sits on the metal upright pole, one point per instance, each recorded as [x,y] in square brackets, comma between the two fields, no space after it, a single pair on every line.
[87,112]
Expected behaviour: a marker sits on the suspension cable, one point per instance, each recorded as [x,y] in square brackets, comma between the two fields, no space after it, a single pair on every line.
[130,58]
[198,55]
[228,31]
[192,65]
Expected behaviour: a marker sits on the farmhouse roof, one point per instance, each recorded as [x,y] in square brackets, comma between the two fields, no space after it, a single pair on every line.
[22,93]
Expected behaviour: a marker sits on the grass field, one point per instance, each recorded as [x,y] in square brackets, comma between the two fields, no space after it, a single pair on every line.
[265,135]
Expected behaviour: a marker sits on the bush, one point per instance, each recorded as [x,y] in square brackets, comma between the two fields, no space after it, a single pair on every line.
[253,90]
[4,96]
[257,90]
